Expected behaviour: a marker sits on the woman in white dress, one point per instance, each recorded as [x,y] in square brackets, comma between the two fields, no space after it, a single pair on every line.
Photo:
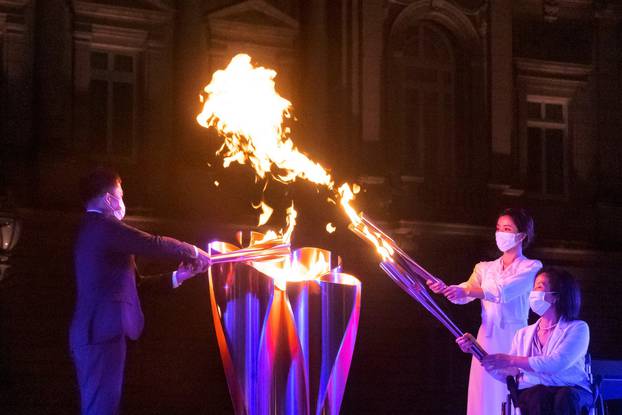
[503,286]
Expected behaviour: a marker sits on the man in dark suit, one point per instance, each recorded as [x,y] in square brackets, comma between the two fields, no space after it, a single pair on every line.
[107,307]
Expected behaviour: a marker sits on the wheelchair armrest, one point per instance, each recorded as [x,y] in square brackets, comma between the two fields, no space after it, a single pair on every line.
[595,386]
[510,381]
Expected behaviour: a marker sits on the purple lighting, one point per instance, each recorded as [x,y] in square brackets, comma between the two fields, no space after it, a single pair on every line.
[285,350]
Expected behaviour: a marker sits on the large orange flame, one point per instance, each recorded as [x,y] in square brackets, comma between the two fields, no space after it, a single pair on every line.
[244,107]
[242,104]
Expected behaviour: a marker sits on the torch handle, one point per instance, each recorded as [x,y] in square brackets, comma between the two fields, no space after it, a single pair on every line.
[416,290]
[409,262]
[251,254]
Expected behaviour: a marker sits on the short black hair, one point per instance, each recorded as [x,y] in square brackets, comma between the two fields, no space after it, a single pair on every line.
[562,282]
[523,221]
[98,182]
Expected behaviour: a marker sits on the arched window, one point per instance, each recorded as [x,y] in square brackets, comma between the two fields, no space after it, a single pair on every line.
[429,116]
[425,75]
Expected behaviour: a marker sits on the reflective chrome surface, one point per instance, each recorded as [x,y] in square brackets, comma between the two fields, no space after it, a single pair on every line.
[286,346]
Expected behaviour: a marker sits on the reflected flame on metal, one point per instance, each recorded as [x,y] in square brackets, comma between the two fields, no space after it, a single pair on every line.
[285,350]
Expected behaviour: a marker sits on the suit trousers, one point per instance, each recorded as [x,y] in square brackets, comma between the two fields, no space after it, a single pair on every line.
[99,369]
[553,400]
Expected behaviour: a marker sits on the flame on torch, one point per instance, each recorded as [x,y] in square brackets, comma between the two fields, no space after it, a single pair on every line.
[242,104]
[266,212]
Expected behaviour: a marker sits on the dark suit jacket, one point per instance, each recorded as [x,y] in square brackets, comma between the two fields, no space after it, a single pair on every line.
[107,304]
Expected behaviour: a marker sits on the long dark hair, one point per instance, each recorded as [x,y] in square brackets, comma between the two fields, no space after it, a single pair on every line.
[523,221]
[568,292]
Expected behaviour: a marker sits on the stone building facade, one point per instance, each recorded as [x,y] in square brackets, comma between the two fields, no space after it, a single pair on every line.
[445,111]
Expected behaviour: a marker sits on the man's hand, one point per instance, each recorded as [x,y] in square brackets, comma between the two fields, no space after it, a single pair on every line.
[202,261]
[187,270]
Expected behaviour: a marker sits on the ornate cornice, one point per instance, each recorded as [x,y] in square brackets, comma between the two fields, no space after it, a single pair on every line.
[552,69]
[438,4]
[13,3]
[12,16]
[254,21]
[122,14]
[560,79]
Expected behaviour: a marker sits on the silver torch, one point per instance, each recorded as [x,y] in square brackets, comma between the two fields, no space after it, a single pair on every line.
[409,276]
[286,326]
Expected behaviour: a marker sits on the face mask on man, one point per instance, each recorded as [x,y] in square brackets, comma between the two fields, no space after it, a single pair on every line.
[119,210]
[537,303]
[507,240]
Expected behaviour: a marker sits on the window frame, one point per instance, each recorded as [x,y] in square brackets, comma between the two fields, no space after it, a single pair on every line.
[403,64]
[554,82]
[112,76]
[542,124]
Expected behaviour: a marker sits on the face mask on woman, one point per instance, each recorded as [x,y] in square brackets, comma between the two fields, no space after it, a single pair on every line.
[507,240]
[537,303]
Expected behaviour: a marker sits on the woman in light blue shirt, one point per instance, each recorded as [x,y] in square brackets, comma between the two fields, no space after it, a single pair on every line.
[547,357]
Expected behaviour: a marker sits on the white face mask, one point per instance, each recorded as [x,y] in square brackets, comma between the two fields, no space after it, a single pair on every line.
[507,240]
[119,211]
[537,303]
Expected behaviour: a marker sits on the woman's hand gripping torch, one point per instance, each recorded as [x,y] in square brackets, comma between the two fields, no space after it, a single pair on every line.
[409,276]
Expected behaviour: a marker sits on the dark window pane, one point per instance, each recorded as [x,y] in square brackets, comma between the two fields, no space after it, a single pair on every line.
[430,48]
[98,110]
[533,110]
[413,147]
[431,129]
[534,159]
[554,161]
[123,63]
[434,46]
[444,54]
[554,112]
[424,75]
[123,118]
[99,60]
[448,78]
[411,47]
[422,109]
[453,158]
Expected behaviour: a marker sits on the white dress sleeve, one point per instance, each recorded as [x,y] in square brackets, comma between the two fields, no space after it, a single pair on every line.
[475,280]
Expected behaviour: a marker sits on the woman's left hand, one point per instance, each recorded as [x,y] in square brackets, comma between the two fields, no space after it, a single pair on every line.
[455,292]
[497,361]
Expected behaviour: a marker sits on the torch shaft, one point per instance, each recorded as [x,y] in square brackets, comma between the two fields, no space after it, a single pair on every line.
[406,260]
[416,290]
[251,254]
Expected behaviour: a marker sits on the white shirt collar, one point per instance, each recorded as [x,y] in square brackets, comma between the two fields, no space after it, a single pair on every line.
[514,263]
